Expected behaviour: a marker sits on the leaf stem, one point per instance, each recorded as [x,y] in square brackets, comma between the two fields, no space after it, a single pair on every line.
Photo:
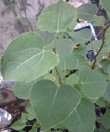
[103,42]
[100,22]
[57,72]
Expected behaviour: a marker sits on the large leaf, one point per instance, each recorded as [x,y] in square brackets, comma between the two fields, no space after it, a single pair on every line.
[92,83]
[53,104]
[26,60]
[82,119]
[57,17]
[87,12]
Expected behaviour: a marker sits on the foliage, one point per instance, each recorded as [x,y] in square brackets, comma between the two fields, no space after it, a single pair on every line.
[55,74]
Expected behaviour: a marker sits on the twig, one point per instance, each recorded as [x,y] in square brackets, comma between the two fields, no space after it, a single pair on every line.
[100,22]
[103,42]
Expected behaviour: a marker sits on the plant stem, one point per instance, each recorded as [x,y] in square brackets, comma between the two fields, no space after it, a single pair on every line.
[57,72]
[103,42]
[100,22]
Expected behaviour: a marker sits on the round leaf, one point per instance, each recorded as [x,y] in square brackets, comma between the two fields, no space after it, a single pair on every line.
[57,17]
[93,84]
[87,11]
[53,104]
[82,119]
[26,60]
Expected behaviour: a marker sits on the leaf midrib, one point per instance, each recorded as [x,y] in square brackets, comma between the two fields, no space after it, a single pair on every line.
[26,62]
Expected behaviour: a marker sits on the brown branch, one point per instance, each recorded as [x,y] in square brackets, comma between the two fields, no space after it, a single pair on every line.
[103,42]
[59,77]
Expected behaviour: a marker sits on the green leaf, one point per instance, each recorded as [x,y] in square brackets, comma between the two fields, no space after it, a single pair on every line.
[26,60]
[82,61]
[50,77]
[47,37]
[106,119]
[96,46]
[81,36]
[22,90]
[71,26]
[68,62]
[33,130]
[101,102]
[57,17]
[92,83]
[80,51]
[72,79]
[18,125]
[23,22]
[64,46]
[53,104]
[98,21]
[100,71]
[82,119]
[87,11]
[107,93]
[30,110]
[81,55]
[105,4]
[108,68]
[100,130]
[24,117]
[25,88]
[107,34]
[105,65]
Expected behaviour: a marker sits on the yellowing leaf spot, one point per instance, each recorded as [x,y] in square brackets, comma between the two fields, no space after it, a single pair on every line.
[76,46]
[89,63]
